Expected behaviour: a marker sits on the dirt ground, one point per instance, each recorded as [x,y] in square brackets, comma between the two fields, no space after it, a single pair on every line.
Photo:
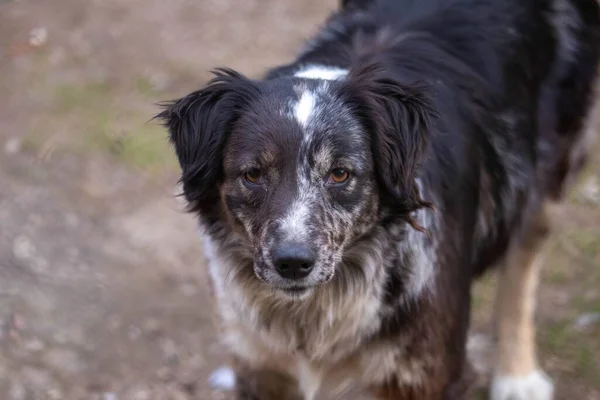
[102,289]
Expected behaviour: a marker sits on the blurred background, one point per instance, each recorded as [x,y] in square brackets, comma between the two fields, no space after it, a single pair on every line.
[102,287]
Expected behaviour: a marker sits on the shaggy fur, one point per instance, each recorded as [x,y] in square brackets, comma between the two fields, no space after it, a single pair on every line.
[411,145]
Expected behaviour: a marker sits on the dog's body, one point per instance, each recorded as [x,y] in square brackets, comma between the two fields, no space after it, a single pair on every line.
[412,145]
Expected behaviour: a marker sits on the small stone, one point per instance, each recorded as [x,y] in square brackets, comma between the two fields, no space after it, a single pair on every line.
[65,360]
[13,146]
[222,379]
[60,337]
[38,36]
[151,326]
[17,323]
[165,374]
[23,249]
[159,81]
[72,220]
[109,396]
[141,394]
[37,379]
[114,323]
[17,392]
[34,345]
[591,190]
[54,394]
[586,320]
[169,350]
[134,332]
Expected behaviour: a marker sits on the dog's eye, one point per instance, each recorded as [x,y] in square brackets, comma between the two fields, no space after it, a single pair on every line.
[338,175]
[254,176]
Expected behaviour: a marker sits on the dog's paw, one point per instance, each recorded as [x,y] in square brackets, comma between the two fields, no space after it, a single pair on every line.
[223,379]
[535,386]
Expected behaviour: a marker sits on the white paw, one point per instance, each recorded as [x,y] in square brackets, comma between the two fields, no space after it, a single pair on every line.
[222,379]
[535,386]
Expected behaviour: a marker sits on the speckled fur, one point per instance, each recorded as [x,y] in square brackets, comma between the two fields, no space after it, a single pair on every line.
[457,120]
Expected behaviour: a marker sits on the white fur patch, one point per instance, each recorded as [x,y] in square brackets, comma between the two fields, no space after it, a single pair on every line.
[305,107]
[535,386]
[223,378]
[421,250]
[293,224]
[322,72]
[309,378]
[212,257]
[335,319]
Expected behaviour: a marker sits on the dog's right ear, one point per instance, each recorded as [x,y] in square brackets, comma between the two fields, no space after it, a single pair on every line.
[198,127]
[399,116]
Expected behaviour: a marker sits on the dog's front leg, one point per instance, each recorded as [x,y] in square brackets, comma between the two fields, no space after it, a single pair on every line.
[264,384]
[517,375]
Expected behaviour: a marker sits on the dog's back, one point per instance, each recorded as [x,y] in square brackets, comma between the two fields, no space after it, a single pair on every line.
[556,42]
[520,80]
[567,119]
[514,83]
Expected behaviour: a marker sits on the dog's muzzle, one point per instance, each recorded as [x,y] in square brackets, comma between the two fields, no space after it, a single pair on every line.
[293,261]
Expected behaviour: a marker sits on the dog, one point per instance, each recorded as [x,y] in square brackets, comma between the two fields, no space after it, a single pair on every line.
[350,198]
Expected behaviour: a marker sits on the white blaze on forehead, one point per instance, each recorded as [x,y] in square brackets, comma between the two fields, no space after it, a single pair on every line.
[223,378]
[305,107]
[321,72]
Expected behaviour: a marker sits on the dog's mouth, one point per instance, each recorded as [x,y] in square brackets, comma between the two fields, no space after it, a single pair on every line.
[296,292]
[296,289]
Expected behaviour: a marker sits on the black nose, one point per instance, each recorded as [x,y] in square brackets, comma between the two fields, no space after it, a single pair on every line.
[293,261]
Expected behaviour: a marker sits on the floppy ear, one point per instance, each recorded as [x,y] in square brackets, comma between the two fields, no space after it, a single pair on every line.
[399,118]
[198,126]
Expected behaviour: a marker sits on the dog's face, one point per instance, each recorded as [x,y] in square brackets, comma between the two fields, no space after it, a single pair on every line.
[299,182]
[300,168]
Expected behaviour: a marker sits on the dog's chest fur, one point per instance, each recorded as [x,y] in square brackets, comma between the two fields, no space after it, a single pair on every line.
[329,341]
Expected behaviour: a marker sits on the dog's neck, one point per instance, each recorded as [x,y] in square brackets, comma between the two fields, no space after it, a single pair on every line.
[338,316]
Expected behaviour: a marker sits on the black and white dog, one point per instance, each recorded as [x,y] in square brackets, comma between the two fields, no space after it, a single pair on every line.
[350,198]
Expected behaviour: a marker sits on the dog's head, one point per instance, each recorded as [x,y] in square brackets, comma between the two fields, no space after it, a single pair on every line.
[301,168]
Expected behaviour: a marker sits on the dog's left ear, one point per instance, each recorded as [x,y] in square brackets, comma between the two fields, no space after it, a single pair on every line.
[199,125]
[399,116]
